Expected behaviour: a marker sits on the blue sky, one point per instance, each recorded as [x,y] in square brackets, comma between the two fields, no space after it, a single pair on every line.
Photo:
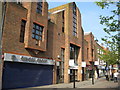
[90,13]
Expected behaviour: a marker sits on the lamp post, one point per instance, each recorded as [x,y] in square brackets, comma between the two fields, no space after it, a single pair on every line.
[92,73]
[74,78]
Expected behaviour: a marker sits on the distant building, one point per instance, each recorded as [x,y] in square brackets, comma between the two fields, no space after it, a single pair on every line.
[89,54]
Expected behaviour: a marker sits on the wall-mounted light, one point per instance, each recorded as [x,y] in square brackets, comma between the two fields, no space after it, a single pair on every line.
[58,56]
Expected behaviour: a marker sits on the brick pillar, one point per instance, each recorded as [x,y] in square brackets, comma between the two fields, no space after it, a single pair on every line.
[66,63]
[79,65]
[54,73]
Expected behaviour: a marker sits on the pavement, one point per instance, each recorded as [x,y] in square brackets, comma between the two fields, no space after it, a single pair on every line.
[98,83]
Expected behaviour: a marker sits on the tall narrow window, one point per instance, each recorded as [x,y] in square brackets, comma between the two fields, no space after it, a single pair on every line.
[39,7]
[74,51]
[37,31]
[74,20]
[63,21]
[22,32]
[92,52]
[62,64]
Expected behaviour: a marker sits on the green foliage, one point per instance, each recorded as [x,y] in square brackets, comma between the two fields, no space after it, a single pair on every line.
[112,27]
[111,57]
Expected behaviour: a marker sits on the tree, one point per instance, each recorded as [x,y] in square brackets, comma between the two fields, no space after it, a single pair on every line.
[112,28]
[109,57]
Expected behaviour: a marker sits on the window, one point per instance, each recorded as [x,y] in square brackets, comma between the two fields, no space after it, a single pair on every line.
[62,54]
[63,21]
[19,3]
[39,7]
[92,52]
[37,31]
[22,32]
[74,20]
[63,29]
[62,58]
[74,51]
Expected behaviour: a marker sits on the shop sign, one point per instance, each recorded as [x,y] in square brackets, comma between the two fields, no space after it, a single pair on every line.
[58,63]
[68,71]
[96,63]
[83,64]
[73,67]
[71,62]
[27,59]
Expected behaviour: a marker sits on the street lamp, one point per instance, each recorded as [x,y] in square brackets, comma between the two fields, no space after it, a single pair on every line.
[92,72]
[74,78]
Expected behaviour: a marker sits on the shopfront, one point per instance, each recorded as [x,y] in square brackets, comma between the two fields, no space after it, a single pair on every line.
[25,71]
[71,73]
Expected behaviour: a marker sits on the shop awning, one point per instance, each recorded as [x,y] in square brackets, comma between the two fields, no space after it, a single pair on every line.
[73,67]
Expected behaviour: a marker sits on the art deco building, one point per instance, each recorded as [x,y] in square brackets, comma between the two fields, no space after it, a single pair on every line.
[27,59]
[67,41]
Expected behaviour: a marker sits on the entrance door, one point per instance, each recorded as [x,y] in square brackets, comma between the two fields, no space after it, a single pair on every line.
[71,75]
[60,73]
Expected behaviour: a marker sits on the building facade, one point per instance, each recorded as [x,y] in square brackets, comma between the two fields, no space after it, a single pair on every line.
[27,59]
[43,47]
[90,54]
[67,41]
[101,63]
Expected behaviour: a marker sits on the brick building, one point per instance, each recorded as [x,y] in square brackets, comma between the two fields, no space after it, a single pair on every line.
[27,60]
[90,53]
[42,47]
[67,41]
[101,63]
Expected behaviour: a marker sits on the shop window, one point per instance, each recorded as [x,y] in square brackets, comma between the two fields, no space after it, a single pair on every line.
[37,31]
[22,32]
[39,7]
[18,3]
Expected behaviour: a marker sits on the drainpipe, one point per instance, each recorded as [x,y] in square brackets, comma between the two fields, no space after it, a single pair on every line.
[2,15]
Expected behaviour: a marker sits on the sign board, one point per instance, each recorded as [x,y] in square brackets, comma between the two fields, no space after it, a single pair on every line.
[83,64]
[71,62]
[81,72]
[58,63]
[96,63]
[101,67]
[73,67]
[27,59]
[68,71]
